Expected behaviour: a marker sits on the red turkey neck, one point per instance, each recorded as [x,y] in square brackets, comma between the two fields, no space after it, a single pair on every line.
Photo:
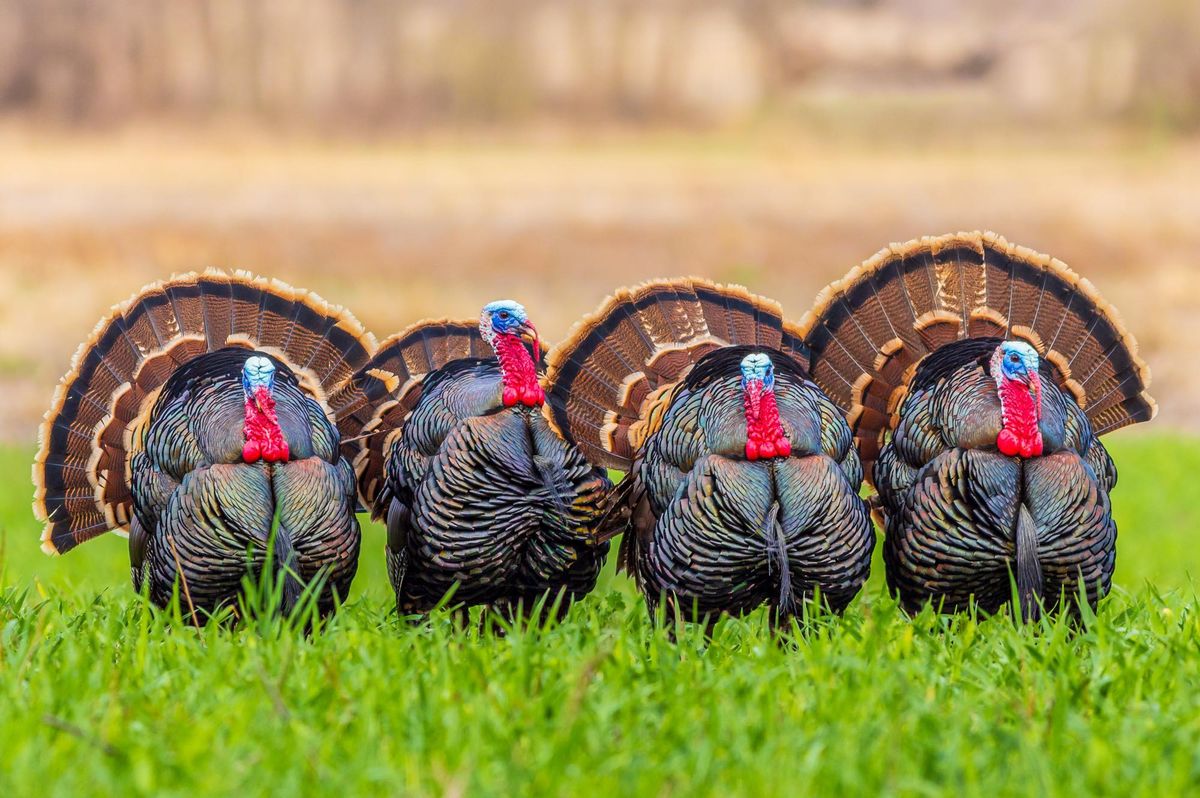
[517,372]
[1021,412]
[264,438]
[764,431]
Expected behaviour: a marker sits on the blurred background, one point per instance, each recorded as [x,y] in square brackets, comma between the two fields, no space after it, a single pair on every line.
[410,158]
[414,158]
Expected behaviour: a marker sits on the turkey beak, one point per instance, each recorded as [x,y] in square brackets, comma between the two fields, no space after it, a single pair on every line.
[254,396]
[754,389]
[529,334]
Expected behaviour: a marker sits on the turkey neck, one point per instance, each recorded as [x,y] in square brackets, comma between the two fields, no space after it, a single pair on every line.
[518,373]
[264,438]
[764,431]
[1021,412]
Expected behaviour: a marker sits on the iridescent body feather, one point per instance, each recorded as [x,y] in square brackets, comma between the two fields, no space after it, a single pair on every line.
[480,494]
[953,502]
[489,497]
[718,532]
[743,481]
[206,515]
[195,418]
[976,376]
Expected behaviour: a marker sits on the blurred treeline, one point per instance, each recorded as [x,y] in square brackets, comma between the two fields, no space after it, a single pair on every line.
[411,64]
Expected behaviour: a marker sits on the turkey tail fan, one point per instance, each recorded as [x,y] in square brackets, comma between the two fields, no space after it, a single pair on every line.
[81,473]
[869,331]
[370,408]
[608,380]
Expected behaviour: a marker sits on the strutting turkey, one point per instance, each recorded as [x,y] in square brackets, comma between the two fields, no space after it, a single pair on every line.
[742,483]
[194,418]
[446,431]
[976,376]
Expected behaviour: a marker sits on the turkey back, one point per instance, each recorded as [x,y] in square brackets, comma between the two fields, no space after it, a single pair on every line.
[869,331]
[372,406]
[102,406]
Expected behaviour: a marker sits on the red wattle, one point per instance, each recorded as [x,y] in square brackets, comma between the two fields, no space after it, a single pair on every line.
[518,372]
[1008,444]
[264,438]
[765,437]
[1021,410]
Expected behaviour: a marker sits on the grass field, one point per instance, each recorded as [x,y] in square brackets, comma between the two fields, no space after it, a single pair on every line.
[102,696]
[419,159]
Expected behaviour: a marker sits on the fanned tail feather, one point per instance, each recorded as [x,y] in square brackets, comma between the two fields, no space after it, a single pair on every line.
[81,471]
[607,380]
[869,330]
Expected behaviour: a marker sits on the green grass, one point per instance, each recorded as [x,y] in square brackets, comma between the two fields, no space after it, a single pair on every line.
[101,696]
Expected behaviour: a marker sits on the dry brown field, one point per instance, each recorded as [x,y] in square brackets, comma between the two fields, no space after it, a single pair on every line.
[399,231]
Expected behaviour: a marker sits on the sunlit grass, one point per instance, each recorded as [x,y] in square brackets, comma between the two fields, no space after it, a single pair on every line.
[103,696]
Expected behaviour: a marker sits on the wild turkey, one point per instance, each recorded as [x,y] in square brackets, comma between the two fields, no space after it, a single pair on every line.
[194,419]
[977,376]
[742,484]
[447,436]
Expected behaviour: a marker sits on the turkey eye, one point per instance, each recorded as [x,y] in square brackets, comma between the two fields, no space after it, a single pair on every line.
[1014,358]
[504,314]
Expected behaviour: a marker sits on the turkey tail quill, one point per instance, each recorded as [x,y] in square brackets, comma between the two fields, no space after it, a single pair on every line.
[607,382]
[616,513]
[868,331]
[777,552]
[1029,569]
[81,473]
[371,406]
[284,556]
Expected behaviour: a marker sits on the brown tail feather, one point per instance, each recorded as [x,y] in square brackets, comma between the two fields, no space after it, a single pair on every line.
[869,330]
[371,407]
[81,470]
[617,365]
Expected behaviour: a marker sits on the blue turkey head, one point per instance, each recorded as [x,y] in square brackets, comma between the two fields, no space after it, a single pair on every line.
[258,372]
[502,317]
[1017,361]
[506,317]
[758,366]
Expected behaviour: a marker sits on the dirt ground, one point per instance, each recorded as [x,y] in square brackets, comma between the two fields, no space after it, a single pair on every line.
[399,232]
